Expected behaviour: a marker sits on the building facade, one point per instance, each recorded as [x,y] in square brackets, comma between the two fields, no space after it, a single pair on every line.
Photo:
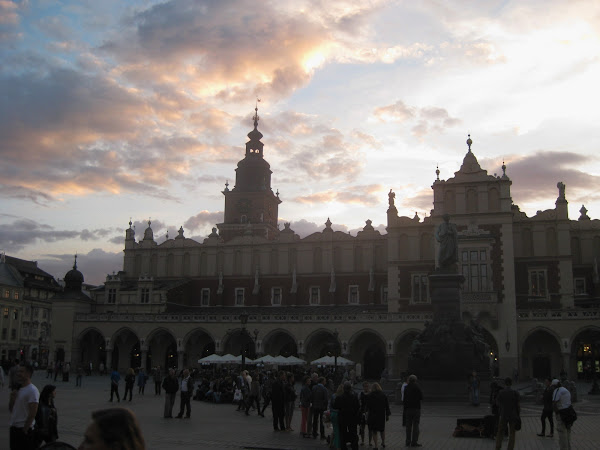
[530,282]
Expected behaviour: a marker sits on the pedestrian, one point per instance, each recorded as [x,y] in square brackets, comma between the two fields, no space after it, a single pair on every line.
[278,402]
[66,371]
[49,369]
[46,418]
[115,429]
[378,412]
[23,406]
[266,391]
[404,384]
[319,400]
[79,376]
[348,407]
[101,368]
[334,417]
[254,395]
[129,382]
[362,424]
[157,377]
[290,401]
[142,378]
[565,414]
[509,408]
[115,377]
[186,391]
[474,384]
[547,411]
[57,369]
[305,406]
[171,386]
[89,369]
[412,410]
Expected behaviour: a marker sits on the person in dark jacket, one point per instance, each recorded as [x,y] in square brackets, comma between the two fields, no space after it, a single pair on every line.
[412,411]
[363,397]
[171,385]
[254,395]
[547,411]
[319,400]
[378,412]
[305,395]
[509,408]
[46,418]
[129,382]
[278,402]
[348,408]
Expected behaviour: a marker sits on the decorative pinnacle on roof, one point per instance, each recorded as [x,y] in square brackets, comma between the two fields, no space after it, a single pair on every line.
[503,169]
[75,262]
[437,171]
[469,142]
[130,222]
[256,118]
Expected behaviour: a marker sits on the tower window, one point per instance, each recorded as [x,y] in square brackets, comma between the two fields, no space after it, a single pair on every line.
[353,295]
[205,297]
[239,296]
[244,219]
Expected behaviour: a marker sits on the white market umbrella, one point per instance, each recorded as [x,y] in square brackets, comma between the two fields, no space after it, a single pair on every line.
[211,359]
[330,361]
[294,361]
[267,359]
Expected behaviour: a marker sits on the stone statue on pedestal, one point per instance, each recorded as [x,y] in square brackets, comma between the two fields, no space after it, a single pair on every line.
[447,235]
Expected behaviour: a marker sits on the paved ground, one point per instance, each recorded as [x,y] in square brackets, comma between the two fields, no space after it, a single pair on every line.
[221,427]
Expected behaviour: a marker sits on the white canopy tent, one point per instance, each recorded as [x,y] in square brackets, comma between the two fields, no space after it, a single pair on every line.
[211,359]
[330,361]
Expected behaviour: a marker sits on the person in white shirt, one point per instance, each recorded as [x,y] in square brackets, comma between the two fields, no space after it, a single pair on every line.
[187,389]
[561,399]
[23,406]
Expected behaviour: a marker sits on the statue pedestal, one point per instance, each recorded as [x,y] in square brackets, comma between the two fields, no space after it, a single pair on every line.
[448,349]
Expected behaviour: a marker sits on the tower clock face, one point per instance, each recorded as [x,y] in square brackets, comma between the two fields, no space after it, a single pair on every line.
[244,205]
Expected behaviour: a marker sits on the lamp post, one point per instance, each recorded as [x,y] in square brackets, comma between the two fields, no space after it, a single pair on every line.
[244,332]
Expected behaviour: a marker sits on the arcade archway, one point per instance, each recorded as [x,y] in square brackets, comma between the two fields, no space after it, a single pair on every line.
[239,342]
[586,353]
[402,348]
[126,350]
[280,342]
[541,356]
[160,350]
[368,349]
[320,343]
[91,348]
[198,344]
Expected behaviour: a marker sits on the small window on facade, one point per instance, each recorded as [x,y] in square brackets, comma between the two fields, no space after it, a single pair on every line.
[420,290]
[16,296]
[474,265]
[276,296]
[353,295]
[384,295]
[13,334]
[239,296]
[6,313]
[315,294]
[205,297]
[45,313]
[579,286]
[537,283]
[112,295]
[4,333]
[6,293]
[244,219]
[15,314]
[145,295]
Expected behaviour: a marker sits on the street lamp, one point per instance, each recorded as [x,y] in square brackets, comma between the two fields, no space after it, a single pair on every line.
[244,333]
[335,351]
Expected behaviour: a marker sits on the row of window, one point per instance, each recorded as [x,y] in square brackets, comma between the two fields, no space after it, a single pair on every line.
[6,313]
[314,296]
[13,334]
[15,294]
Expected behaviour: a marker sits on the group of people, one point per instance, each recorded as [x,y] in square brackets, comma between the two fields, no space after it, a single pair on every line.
[557,400]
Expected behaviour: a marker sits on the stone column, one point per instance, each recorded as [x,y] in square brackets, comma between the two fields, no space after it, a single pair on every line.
[180,360]
[390,365]
[108,364]
[144,357]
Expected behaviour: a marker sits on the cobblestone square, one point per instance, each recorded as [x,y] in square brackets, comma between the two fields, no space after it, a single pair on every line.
[219,426]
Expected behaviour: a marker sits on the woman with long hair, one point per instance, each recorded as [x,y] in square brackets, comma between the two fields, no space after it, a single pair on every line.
[115,429]
[46,419]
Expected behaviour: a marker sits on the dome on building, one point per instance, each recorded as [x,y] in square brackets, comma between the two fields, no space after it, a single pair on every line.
[149,234]
[74,278]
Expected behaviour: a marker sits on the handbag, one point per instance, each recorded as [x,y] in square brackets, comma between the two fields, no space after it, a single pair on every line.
[517,423]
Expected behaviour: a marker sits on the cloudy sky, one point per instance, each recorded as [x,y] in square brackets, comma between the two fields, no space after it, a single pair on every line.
[113,110]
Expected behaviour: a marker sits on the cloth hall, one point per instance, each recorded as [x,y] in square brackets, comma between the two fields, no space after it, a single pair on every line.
[531,284]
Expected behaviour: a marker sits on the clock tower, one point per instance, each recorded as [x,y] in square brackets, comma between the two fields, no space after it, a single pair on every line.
[251,207]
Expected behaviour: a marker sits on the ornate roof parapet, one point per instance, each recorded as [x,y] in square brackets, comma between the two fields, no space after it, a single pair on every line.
[583,212]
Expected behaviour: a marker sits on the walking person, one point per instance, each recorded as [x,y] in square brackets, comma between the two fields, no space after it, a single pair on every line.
[115,377]
[142,378]
[474,384]
[23,406]
[412,411]
[49,369]
[157,378]
[547,411]
[290,401]
[362,424]
[378,410]
[348,407]
[129,382]
[171,385]
[79,376]
[278,402]
[565,414]
[46,418]
[305,394]
[187,389]
[254,395]
[319,400]
[266,391]
[509,408]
